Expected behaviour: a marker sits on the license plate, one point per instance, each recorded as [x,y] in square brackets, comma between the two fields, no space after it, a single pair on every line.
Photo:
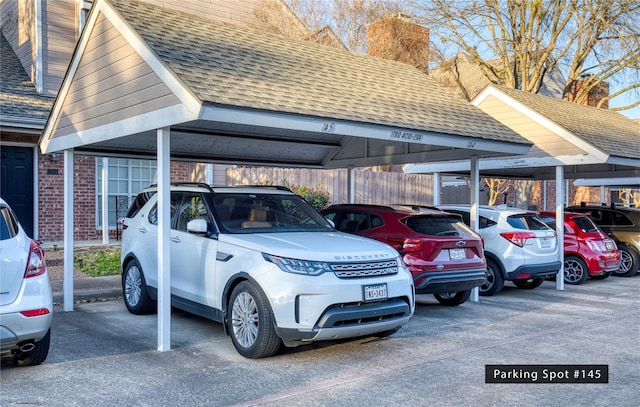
[545,242]
[457,254]
[374,292]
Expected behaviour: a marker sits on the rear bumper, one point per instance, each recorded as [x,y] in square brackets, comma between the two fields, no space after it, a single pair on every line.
[534,270]
[15,328]
[449,281]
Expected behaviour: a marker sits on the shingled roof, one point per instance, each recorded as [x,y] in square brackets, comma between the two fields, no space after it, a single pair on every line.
[606,130]
[20,104]
[230,65]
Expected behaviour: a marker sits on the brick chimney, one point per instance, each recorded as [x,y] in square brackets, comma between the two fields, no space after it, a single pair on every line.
[596,94]
[399,38]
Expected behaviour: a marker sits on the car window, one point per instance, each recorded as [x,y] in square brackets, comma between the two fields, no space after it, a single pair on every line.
[191,207]
[8,224]
[585,224]
[251,213]
[620,219]
[600,217]
[438,226]
[485,222]
[526,222]
[138,203]
[175,201]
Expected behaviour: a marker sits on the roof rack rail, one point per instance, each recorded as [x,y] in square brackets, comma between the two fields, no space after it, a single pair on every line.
[187,184]
[277,187]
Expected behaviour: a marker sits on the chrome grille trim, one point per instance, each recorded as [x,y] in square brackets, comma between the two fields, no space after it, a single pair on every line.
[368,269]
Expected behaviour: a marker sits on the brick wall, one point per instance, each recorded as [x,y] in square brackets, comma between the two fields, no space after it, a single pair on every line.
[51,197]
[398,38]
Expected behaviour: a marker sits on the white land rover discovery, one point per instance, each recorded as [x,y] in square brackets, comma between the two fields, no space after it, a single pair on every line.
[267,265]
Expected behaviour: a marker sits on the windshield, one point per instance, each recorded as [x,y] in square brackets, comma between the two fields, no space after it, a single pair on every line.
[266,213]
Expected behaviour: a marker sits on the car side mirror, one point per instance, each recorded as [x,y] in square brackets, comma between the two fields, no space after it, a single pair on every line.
[197,226]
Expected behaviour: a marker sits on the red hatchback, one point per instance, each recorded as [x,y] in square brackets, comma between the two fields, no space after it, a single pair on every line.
[588,251]
[444,255]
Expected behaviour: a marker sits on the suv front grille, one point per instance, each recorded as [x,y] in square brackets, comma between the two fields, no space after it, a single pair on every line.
[376,268]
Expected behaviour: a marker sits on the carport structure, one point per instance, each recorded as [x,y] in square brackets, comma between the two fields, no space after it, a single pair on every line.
[149,82]
[571,141]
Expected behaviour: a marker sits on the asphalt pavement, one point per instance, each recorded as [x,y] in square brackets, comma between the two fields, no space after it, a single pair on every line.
[103,356]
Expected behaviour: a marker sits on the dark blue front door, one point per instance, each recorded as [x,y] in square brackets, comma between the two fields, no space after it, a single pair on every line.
[16,183]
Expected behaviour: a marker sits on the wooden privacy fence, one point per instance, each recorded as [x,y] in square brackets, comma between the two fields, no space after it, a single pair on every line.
[370,187]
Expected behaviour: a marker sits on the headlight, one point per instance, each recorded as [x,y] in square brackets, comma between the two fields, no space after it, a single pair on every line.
[309,268]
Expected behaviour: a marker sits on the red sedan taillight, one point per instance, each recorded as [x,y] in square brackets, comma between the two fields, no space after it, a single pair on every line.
[35,263]
[406,245]
[518,238]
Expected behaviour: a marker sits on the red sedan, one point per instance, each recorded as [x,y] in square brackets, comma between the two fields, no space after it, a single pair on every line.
[588,251]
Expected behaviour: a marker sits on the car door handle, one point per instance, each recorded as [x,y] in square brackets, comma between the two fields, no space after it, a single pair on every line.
[175,239]
[142,229]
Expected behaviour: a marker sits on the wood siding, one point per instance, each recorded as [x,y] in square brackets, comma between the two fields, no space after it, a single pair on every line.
[370,187]
[112,83]
[59,37]
[19,28]
[544,139]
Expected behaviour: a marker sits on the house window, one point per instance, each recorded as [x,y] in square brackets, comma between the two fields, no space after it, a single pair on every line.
[83,12]
[126,178]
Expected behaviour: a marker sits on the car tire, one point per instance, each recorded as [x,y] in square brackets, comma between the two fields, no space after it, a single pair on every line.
[494,281]
[453,299]
[529,283]
[575,270]
[250,322]
[628,261]
[134,290]
[35,356]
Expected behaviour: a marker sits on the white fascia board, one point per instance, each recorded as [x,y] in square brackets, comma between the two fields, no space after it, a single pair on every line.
[598,182]
[191,103]
[499,163]
[159,118]
[631,162]
[540,119]
[23,123]
[342,127]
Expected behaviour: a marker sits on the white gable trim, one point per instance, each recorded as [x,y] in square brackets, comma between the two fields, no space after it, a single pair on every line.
[540,119]
[130,126]
[191,104]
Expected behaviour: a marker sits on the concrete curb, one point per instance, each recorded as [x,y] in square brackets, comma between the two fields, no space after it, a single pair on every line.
[89,289]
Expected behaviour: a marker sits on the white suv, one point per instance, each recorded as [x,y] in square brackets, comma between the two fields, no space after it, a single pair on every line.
[519,246]
[26,301]
[267,265]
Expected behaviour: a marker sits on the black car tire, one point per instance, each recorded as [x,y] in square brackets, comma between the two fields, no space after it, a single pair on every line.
[575,270]
[35,356]
[453,299]
[134,290]
[494,282]
[528,283]
[628,261]
[250,322]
